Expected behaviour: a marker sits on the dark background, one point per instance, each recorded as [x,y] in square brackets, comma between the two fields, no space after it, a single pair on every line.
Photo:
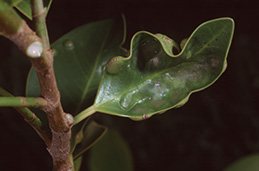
[217,126]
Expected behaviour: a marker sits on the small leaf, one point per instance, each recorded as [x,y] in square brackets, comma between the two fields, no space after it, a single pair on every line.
[77,163]
[77,135]
[24,6]
[80,57]
[86,137]
[247,163]
[152,79]
[111,153]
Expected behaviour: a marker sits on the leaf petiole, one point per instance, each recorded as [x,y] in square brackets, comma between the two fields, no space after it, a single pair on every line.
[84,114]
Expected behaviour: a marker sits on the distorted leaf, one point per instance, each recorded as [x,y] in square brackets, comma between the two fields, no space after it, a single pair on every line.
[111,153]
[152,79]
[80,57]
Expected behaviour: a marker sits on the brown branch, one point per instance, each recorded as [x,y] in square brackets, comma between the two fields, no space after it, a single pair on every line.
[38,50]
[59,124]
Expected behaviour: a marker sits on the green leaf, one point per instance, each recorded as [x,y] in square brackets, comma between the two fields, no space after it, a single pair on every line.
[80,57]
[152,79]
[85,136]
[24,6]
[111,153]
[11,2]
[247,163]
[77,163]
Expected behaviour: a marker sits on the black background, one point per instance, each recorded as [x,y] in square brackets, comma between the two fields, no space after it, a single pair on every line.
[216,127]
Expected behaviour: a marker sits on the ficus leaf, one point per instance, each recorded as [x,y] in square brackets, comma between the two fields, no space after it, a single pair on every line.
[79,60]
[111,153]
[24,6]
[85,136]
[247,163]
[77,163]
[12,2]
[152,79]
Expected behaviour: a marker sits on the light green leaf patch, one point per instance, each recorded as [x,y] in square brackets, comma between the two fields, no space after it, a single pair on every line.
[152,79]
[246,163]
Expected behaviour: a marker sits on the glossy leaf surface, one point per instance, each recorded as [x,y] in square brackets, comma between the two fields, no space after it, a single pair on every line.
[152,79]
[111,153]
[80,57]
[24,6]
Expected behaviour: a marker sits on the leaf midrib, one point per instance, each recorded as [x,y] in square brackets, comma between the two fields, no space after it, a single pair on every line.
[212,39]
[93,71]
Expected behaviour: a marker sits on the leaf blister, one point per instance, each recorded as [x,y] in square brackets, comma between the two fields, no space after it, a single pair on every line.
[157,79]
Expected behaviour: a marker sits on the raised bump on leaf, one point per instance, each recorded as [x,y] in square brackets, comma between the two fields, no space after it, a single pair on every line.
[115,65]
[153,79]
